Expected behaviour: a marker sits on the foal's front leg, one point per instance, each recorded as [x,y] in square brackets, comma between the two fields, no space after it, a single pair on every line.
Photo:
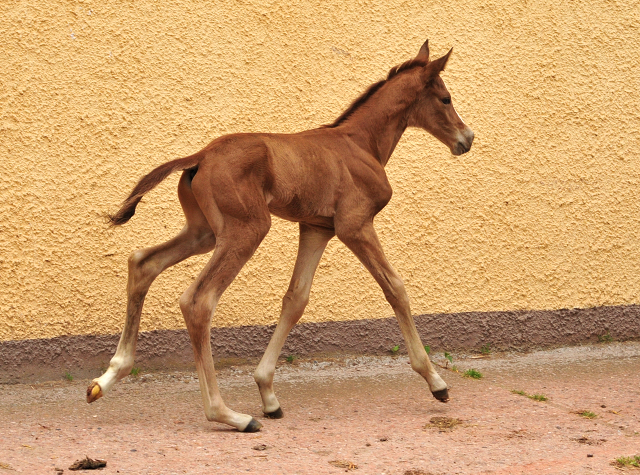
[365,245]
[313,241]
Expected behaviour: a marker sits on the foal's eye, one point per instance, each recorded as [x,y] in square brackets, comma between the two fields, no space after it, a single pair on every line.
[446,100]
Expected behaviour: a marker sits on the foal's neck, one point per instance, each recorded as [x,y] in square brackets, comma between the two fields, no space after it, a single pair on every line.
[378,125]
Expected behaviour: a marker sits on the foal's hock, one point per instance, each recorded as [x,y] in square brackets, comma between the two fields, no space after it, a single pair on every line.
[330,180]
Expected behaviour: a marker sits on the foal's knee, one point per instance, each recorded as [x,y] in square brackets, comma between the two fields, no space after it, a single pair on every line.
[187,305]
[196,309]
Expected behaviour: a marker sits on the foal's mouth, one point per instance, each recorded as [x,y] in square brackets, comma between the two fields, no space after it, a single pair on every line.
[460,148]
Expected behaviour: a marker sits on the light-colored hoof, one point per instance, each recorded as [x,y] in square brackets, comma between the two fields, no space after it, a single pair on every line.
[94,392]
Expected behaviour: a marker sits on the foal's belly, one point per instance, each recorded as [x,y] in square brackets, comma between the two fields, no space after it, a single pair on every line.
[321,221]
[298,209]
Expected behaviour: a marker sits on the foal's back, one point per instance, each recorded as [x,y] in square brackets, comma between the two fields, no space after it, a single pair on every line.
[302,176]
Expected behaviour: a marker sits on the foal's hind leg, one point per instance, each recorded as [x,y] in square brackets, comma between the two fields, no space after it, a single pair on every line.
[364,243]
[312,244]
[144,266]
[236,244]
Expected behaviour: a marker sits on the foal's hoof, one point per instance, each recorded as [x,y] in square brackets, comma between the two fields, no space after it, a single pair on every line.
[253,426]
[277,414]
[94,392]
[442,395]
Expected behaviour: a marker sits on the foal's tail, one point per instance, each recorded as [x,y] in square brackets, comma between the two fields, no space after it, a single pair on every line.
[148,183]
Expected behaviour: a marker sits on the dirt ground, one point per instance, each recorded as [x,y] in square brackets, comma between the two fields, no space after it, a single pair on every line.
[367,415]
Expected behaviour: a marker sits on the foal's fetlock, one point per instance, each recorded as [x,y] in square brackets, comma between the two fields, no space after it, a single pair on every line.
[120,367]
[270,405]
[242,422]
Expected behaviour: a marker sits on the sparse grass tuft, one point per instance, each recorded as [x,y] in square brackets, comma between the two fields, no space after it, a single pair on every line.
[68,376]
[448,356]
[622,462]
[485,349]
[135,371]
[395,349]
[427,348]
[606,338]
[535,397]
[587,414]
[290,358]
[473,373]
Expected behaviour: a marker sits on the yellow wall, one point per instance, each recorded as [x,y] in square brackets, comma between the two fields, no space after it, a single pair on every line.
[543,213]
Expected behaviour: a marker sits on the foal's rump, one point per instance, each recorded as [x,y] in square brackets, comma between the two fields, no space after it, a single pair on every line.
[230,148]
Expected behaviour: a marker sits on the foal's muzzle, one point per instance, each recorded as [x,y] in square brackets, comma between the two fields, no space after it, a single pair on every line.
[465,139]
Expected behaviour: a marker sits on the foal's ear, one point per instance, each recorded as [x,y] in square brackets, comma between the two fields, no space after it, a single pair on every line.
[423,54]
[436,66]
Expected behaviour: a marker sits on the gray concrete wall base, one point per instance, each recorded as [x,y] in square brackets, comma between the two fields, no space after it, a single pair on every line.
[85,355]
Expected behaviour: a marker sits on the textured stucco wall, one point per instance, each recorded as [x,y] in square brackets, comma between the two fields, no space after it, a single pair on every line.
[543,213]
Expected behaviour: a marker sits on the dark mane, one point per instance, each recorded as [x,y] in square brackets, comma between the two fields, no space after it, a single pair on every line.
[371,90]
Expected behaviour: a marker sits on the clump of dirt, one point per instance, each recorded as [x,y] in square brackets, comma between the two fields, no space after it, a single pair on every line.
[442,423]
[88,464]
[260,447]
[588,441]
[344,464]
[519,433]
[417,472]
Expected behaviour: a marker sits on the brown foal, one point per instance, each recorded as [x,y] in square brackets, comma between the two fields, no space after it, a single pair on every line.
[330,180]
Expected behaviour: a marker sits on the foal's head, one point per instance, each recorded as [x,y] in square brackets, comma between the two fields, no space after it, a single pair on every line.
[433,110]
